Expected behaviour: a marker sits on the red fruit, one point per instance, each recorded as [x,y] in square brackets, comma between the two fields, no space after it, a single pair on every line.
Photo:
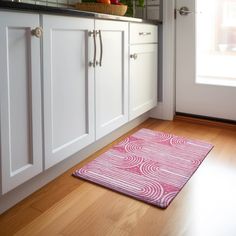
[115,2]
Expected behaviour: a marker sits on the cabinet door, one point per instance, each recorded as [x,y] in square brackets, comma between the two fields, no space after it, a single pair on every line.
[111,77]
[143,78]
[68,86]
[20,99]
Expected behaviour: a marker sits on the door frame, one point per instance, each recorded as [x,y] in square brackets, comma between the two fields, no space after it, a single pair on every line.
[166,108]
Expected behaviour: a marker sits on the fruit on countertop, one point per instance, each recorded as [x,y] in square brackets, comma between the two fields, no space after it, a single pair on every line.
[104,1]
[115,2]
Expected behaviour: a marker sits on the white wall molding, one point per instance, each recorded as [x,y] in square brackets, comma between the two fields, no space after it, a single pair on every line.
[166,109]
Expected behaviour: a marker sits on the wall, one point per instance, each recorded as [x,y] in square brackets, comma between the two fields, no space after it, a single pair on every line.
[150,11]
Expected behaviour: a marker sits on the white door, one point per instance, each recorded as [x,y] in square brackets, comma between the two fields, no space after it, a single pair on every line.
[20,100]
[206,58]
[111,76]
[68,86]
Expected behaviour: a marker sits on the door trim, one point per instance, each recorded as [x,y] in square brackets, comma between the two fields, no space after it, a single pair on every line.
[166,109]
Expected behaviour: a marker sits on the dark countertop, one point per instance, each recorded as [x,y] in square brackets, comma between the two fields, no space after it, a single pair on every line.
[8,5]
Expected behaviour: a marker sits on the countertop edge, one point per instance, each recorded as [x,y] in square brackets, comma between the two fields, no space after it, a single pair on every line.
[25,7]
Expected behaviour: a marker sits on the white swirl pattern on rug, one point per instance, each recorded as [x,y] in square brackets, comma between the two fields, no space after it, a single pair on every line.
[150,166]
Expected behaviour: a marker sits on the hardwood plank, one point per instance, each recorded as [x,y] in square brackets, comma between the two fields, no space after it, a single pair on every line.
[16,218]
[63,211]
[58,188]
[205,206]
[109,214]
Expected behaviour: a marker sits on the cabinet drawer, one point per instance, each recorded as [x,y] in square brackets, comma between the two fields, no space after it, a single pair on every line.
[143,33]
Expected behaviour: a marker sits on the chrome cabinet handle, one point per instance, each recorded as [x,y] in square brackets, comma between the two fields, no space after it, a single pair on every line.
[93,34]
[37,32]
[134,56]
[101,47]
[144,33]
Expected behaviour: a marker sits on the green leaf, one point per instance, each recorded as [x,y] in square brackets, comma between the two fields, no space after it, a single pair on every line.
[141,3]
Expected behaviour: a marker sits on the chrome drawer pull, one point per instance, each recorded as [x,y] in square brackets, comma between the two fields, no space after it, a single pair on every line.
[144,33]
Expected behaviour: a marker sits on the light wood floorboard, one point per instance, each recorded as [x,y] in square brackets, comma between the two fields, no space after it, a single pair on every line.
[206,206]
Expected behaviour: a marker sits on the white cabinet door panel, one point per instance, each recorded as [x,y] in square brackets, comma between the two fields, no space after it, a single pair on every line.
[111,78]
[143,79]
[20,99]
[68,87]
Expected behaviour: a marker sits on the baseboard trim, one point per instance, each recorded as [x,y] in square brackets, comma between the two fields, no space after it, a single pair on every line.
[205,120]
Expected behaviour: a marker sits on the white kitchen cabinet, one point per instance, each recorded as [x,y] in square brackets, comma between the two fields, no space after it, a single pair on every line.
[85,86]
[68,86]
[143,69]
[20,100]
[111,76]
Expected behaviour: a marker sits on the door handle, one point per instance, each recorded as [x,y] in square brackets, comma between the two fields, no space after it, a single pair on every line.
[184,11]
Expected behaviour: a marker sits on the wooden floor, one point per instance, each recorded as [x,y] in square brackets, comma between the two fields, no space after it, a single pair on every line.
[206,206]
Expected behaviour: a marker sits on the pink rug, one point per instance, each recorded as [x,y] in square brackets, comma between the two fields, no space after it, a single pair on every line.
[150,166]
